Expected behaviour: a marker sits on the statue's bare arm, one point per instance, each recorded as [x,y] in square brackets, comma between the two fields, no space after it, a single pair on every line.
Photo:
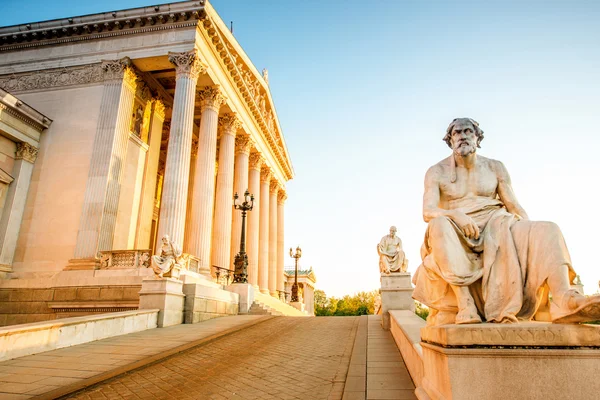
[431,209]
[506,192]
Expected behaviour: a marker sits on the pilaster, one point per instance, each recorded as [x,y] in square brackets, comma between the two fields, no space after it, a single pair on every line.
[14,206]
[101,199]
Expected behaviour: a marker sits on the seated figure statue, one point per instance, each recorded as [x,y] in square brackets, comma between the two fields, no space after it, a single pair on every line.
[482,257]
[170,257]
[391,255]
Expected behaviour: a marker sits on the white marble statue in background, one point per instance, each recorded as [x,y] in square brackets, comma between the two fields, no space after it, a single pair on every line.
[170,257]
[482,257]
[391,255]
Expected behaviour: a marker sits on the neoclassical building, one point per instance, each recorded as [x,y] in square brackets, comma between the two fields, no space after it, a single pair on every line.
[117,129]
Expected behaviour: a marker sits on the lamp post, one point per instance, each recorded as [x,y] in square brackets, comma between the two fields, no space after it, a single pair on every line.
[295,285]
[240,274]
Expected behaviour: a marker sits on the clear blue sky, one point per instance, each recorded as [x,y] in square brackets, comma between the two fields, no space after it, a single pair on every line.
[365,90]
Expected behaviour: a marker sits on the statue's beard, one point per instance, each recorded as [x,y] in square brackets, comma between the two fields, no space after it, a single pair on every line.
[463,149]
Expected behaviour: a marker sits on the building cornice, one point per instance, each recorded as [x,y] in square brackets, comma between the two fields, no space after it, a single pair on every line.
[250,87]
[102,25]
[18,109]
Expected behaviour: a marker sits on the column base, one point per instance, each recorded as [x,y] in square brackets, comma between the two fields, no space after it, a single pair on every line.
[166,294]
[265,291]
[78,264]
[5,270]
[274,294]
[396,294]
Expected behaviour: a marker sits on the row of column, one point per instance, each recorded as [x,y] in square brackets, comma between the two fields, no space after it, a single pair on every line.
[213,227]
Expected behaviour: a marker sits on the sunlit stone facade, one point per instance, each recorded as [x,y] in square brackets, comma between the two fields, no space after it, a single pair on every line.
[118,128]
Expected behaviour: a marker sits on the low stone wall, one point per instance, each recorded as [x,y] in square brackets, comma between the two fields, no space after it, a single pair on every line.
[406,329]
[27,339]
[28,305]
[206,300]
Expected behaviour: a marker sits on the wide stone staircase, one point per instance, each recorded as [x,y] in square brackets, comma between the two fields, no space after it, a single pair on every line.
[266,305]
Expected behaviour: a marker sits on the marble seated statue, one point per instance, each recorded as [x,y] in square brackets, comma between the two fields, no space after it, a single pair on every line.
[483,260]
[171,257]
[391,255]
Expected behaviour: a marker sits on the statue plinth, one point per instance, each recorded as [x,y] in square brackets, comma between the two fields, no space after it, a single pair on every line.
[165,294]
[396,294]
[533,360]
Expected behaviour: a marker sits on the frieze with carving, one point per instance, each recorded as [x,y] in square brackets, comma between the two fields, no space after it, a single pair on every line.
[26,152]
[92,73]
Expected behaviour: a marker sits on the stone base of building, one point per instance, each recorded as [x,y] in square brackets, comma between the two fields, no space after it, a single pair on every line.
[205,300]
[165,294]
[245,292]
[396,294]
[530,361]
[78,264]
[36,297]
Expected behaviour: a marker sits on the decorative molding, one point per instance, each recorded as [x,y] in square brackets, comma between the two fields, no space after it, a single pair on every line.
[39,127]
[265,174]
[187,64]
[256,160]
[51,78]
[159,108]
[243,143]
[102,25]
[26,152]
[274,186]
[250,89]
[194,147]
[281,196]
[211,97]
[230,123]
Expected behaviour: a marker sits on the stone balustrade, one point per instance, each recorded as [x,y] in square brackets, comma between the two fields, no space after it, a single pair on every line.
[124,259]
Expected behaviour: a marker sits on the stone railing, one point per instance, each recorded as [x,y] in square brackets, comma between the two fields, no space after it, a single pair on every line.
[191,263]
[124,259]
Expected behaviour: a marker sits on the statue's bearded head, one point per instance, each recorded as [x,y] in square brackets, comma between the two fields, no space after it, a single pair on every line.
[463,136]
[393,231]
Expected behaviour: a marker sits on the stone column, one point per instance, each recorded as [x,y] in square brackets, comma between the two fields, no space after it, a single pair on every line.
[255,163]
[142,240]
[14,206]
[101,199]
[187,244]
[274,188]
[211,100]
[177,169]
[240,184]
[221,235]
[263,237]
[281,197]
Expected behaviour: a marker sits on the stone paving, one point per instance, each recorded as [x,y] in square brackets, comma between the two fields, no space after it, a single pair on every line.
[241,357]
[51,372]
[282,358]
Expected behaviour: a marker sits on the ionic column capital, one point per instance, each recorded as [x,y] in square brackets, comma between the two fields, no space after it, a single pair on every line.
[256,160]
[211,97]
[117,70]
[281,197]
[243,143]
[230,123]
[187,64]
[26,152]
[265,174]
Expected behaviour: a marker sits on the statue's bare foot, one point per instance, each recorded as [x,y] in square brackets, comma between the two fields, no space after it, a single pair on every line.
[576,308]
[468,315]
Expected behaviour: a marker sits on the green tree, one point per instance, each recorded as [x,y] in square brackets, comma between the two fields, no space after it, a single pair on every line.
[362,303]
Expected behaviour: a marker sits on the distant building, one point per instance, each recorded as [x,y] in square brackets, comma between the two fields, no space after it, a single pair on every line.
[306,287]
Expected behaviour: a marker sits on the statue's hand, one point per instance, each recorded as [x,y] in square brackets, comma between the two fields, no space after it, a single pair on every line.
[467,224]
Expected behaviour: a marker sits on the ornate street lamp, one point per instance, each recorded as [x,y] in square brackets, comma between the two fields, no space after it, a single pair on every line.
[240,274]
[295,285]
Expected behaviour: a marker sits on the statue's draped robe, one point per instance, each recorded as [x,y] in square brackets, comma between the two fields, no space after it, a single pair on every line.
[168,257]
[506,268]
[391,256]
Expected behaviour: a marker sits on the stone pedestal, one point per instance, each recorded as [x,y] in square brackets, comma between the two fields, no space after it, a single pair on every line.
[166,294]
[205,300]
[534,360]
[396,294]
[246,293]
[297,305]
